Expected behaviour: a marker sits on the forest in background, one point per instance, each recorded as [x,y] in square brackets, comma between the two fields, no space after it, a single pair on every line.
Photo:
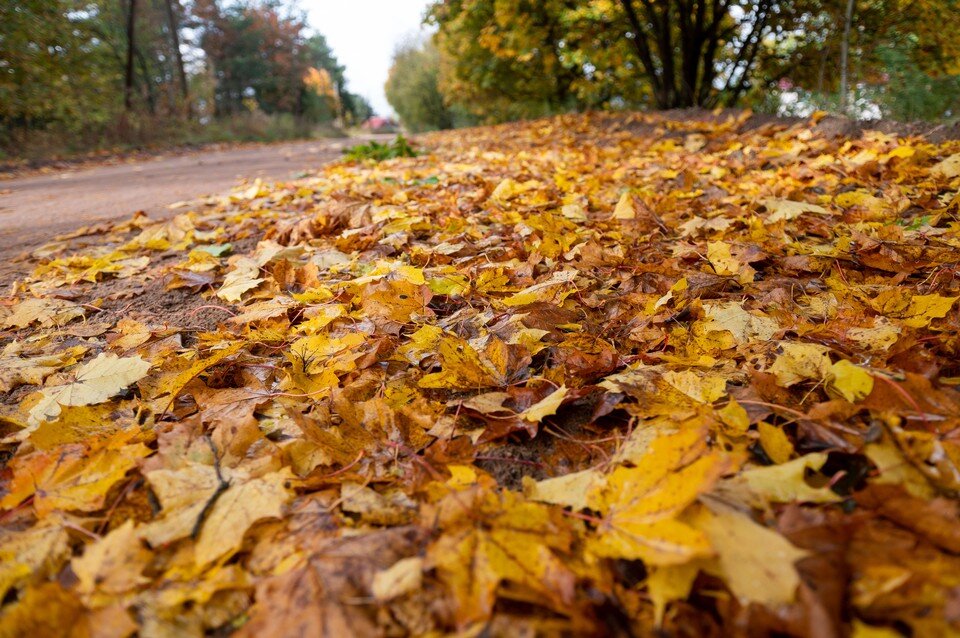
[78,75]
[85,74]
[492,60]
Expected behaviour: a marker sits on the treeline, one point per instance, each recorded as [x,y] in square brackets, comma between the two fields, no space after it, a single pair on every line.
[491,60]
[88,73]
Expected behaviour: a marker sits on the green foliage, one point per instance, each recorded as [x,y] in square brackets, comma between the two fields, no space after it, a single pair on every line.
[502,60]
[912,94]
[413,91]
[53,65]
[258,53]
[143,131]
[373,150]
[506,60]
[528,58]
[62,66]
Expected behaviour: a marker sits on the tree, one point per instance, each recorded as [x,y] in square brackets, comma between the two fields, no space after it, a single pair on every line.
[509,59]
[39,40]
[131,48]
[173,22]
[891,45]
[352,108]
[503,60]
[254,53]
[261,54]
[569,54]
[412,87]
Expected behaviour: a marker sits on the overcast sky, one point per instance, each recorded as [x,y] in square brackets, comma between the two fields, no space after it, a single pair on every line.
[363,35]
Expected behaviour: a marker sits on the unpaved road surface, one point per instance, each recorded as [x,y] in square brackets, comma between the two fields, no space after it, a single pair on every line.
[34,209]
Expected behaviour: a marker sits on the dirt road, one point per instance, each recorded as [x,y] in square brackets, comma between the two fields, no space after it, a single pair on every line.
[35,209]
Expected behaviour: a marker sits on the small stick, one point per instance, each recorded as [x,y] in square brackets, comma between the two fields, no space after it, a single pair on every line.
[221,488]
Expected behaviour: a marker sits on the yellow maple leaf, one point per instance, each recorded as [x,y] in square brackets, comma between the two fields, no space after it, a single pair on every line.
[786,482]
[669,583]
[545,407]
[403,577]
[547,291]
[731,317]
[849,380]
[640,505]
[755,562]
[113,564]
[397,300]
[169,385]
[626,207]
[243,503]
[785,210]
[799,362]
[948,167]
[16,369]
[487,539]
[725,263]
[463,368]
[705,387]
[71,477]
[95,382]
[45,311]
[775,442]
[32,554]
[183,494]
[916,311]
[243,277]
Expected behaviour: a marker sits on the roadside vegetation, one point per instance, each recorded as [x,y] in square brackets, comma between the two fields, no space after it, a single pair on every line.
[491,61]
[80,77]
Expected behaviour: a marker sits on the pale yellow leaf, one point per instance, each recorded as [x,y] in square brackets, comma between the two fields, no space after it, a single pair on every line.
[785,209]
[756,562]
[46,312]
[704,387]
[949,167]
[800,362]
[113,564]
[95,382]
[570,490]
[784,483]
[669,583]
[849,380]
[546,406]
[243,277]
[239,507]
[403,577]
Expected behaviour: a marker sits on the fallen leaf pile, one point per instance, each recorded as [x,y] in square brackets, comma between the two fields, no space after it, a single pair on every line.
[592,375]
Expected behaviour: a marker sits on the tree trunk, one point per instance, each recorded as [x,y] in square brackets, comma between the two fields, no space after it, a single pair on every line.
[639,41]
[681,72]
[147,82]
[172,19]
[844,54]
[131,44]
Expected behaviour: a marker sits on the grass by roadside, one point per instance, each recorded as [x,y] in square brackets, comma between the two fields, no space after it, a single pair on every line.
[57,148]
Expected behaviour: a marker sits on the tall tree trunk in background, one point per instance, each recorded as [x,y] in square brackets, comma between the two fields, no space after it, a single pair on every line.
[131,44]
[676,42]
[147,82]
[639,41]
[174,22]
[844,54]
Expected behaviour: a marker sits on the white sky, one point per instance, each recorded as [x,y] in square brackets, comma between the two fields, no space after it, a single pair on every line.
[363,35]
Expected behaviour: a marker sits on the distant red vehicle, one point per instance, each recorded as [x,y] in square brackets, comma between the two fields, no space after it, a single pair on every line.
[378,124]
